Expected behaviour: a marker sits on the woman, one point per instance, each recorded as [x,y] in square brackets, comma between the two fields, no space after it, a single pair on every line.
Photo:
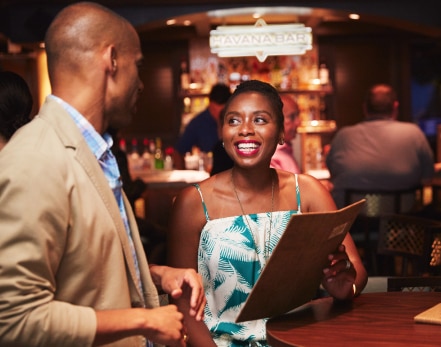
[227,226]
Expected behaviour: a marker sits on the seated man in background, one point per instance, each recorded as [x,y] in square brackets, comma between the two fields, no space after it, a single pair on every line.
[380,153]
[203,129]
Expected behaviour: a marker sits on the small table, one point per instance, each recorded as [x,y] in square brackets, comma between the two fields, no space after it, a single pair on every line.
[373,319]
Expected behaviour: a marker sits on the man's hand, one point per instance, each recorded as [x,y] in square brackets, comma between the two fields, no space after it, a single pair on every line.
[164,325]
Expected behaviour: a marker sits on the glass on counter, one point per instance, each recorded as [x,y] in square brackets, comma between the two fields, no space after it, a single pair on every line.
[197,160]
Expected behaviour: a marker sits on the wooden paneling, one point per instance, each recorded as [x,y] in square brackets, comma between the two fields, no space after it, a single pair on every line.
[357,64]
[159,108]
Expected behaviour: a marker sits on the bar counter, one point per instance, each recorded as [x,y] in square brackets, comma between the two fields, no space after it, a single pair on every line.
[162,186]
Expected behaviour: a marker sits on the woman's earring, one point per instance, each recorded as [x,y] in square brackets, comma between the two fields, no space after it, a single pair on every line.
[223,145]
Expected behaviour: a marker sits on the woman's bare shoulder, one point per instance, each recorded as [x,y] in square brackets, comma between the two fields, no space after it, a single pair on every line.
[315,195]
[205,189]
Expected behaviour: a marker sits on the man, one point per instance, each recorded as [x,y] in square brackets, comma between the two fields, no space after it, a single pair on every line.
[72,268]
[203,129]
[379,153]
[283,158]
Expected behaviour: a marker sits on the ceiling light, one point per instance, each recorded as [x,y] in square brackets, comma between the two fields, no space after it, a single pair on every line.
[354,16]
[171,22]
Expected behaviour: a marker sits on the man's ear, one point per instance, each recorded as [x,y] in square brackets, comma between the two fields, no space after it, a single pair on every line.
[396,109]
[110,58]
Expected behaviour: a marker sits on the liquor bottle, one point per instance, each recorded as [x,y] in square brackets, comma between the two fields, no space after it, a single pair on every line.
[168,160]
[324,75]
[185,76]
[133,158]
[152,153]
[122,145]
[146,157]
[276,75]
[159,155]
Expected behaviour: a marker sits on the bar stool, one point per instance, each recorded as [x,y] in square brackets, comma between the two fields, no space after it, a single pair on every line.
[379,202]
[411,238]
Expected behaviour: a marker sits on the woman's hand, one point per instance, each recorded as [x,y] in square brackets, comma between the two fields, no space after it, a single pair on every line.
[339,277]
[174,281]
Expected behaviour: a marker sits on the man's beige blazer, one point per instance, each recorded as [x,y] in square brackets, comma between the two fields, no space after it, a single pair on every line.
[64,251]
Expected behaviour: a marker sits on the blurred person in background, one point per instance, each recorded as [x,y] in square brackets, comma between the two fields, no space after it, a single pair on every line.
[380,153]
[283,158]
[15,104]
[203,130]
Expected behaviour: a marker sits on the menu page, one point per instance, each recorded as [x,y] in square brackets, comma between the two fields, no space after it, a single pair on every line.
[295,269]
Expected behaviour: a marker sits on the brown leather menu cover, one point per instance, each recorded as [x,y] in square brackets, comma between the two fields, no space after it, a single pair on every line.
[294,271]
[431,315]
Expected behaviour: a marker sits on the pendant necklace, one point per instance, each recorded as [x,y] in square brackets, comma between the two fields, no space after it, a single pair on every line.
[266,250]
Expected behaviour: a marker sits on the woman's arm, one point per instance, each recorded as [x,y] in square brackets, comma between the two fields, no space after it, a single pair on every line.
[338,279]
[186,224]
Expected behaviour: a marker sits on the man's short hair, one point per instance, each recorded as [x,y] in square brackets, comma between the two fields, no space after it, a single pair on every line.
[220,93]
[380,100]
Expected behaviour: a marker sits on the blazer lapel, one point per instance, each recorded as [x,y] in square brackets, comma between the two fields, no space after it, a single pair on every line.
[71,137]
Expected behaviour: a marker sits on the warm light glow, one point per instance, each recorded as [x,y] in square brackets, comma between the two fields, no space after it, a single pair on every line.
[257,15]
[187,101]
[187,22]
[263,11]
[44,88]
[171,22]
[354,16]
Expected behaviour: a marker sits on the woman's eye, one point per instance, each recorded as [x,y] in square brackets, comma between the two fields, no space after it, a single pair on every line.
[260,120]
[233,121]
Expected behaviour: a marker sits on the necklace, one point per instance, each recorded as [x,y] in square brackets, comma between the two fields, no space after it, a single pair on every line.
[267,240]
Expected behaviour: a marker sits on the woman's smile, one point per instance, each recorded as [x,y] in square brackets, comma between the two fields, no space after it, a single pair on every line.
[247,147]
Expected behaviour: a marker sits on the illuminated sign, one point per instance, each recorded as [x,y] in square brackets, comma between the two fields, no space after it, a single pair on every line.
[260,40]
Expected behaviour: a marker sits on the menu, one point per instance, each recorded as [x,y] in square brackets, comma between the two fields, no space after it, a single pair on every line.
[295,269]
[431,315]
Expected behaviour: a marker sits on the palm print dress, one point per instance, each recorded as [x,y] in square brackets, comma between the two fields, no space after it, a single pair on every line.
[230,262]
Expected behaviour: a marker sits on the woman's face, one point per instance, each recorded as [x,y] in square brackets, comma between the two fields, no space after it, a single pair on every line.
[250,131]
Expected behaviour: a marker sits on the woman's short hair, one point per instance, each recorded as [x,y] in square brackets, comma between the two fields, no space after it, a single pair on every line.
[267,90]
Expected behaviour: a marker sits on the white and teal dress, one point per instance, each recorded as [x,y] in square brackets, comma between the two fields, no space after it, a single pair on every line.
[230,260]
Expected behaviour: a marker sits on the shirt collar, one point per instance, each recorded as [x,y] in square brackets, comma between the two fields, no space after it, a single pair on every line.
[98,144]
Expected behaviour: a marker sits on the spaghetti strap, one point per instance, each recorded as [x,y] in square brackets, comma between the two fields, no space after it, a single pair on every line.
[207,217]
[299,206]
